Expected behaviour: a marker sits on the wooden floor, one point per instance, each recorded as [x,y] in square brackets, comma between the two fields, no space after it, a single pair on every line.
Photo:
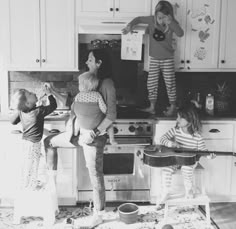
[224,215]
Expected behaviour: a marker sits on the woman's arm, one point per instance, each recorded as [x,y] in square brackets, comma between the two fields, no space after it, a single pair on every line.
[15,117]
[108,92]
[175,27]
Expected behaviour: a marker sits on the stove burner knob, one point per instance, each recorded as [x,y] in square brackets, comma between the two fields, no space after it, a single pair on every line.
[140,129]
[132,128]
[115,130]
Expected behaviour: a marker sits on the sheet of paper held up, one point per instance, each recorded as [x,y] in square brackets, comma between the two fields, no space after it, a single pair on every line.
[131,46]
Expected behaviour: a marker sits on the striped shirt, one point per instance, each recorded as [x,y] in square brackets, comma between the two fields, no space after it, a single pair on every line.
[193,142]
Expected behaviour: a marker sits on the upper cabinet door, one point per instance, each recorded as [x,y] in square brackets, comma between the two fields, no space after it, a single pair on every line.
[42,35]
[95,8]
[113,8]
[178,43]
[202,34]
[58,34]
[132,8]
[227,57]
[24,34]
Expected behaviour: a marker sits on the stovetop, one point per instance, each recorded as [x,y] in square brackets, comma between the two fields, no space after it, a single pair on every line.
[131,112]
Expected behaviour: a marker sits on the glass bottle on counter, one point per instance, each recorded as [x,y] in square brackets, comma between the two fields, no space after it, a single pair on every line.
[210,104]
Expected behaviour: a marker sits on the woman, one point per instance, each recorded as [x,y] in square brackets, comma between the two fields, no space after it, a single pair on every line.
[98,63]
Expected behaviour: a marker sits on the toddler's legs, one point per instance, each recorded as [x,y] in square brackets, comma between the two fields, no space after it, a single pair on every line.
[152,83]
[31,153]
[187,172]
[168,70]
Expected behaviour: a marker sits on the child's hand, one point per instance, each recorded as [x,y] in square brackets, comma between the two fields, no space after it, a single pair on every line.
[211,156]
[47,88]
[127,29]
[167,19]
[175,145]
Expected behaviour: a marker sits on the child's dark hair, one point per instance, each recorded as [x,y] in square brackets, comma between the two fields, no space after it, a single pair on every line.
[165,7]
[190,113]
[19,100]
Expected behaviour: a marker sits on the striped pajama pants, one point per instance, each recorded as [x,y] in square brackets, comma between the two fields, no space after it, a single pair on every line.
[167,67]
[187,172]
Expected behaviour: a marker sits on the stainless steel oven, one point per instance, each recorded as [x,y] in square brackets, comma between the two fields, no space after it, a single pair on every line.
[126,176]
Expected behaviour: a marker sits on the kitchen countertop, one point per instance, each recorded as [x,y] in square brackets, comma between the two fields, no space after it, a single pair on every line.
[5,117]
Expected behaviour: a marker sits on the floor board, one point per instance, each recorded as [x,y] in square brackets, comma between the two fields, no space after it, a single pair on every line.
[224,215]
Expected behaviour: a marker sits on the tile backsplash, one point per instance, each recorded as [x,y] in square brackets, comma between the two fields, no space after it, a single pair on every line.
[193,82]
[33,81]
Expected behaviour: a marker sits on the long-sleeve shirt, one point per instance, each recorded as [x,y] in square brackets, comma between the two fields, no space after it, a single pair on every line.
[33,121]
[193,142]
[159,49]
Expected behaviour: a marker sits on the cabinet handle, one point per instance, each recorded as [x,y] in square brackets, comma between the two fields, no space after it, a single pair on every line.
[54,131]
[117,9]
[37,60]
[214,131]
[111,9]
[43,60]
[222,61]
[188,68]
[188,61]
[181,67]
[182,61]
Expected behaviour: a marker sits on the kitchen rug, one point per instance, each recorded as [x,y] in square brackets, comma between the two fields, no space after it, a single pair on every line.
[148,218]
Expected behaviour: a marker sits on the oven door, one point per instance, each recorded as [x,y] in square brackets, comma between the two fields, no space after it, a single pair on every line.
[126,177]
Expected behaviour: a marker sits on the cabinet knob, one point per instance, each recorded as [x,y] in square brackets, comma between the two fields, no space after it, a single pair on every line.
[37,60]
[117,9]
[182,61]
[43,60]
[111,9]
[188,68]
[188,61]
[222,61]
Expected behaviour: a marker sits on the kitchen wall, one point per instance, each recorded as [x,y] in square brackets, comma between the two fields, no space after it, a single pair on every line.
[187,83]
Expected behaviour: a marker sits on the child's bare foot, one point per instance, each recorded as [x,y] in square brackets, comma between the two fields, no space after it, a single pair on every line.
[189,194]
[150,110]
[161,202]
[171,111]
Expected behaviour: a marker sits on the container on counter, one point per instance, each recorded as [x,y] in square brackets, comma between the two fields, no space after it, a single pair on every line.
[210,104]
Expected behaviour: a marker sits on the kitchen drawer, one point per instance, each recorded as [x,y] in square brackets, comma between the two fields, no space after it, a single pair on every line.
[219,145]
[217,131]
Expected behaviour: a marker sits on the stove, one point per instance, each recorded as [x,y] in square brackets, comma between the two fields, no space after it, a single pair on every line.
[127,178]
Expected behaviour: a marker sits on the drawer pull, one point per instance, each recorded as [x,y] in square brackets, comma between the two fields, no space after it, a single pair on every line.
[54,131]
[214,131]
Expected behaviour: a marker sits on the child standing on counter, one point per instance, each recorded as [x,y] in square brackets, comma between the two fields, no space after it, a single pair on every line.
[32,120]
[186,134]
[161,26]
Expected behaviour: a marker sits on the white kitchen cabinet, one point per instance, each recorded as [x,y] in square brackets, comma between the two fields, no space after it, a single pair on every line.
[66,170]
[42,35]
[227,57]
[9,160]
[113,8]
[218,174]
